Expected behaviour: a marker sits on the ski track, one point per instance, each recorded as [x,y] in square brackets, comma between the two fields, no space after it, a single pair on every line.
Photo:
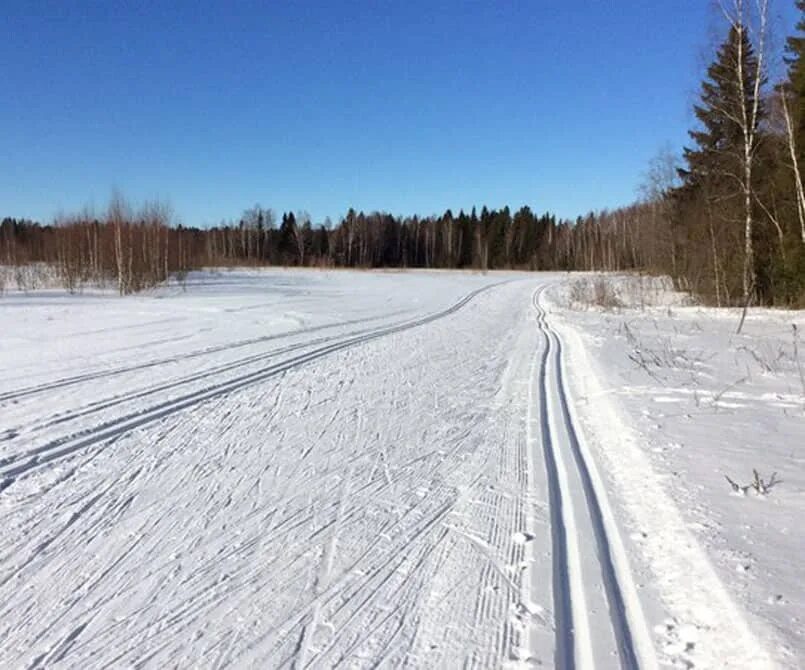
[36,389]
[231,527]
[579,579]
[414,494]
[16,464]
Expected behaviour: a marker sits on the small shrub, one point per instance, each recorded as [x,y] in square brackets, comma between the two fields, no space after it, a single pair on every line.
[577,293]
[604,294]
[598,292]
[760,486]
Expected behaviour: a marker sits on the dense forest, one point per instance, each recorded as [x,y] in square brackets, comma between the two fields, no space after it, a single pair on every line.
[727,224]
[141,248]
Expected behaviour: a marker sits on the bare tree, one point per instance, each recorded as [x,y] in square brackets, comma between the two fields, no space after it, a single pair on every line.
[118,217]
[660,179]
[301,222]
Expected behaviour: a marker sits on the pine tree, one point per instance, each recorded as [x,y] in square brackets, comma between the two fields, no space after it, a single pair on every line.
[790,272]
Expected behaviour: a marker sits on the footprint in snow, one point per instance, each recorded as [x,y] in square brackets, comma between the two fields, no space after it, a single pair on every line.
[679,641]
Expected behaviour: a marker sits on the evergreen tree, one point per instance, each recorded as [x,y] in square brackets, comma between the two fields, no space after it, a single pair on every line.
[287,239]
[710,204]
[718,140]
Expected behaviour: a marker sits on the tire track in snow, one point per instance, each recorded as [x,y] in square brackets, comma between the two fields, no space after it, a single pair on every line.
[560,439]
[20,464]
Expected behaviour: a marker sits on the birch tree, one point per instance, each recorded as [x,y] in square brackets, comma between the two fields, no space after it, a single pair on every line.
[746,19]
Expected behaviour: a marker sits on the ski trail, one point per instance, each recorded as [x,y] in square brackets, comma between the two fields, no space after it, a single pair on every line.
[582,497]
[694,598]
[16,465]
[18,393]
[572,627]
[325,575]
[374,509]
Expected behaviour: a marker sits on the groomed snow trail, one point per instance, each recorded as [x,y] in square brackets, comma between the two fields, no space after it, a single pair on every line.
[363,500]
[598,614]
[398,483]
[16,464]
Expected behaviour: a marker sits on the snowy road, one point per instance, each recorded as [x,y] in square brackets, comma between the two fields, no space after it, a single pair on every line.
[397,479]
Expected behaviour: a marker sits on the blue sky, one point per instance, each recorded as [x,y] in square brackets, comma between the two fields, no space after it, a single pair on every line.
[408,107]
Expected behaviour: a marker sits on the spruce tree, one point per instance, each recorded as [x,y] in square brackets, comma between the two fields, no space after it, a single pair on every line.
[718,141]
[712,210]
[287,240]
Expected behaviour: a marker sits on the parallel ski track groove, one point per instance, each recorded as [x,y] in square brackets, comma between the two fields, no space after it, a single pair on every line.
[182,381]
[617,609]
[13,466]
[94,376]
[564,658]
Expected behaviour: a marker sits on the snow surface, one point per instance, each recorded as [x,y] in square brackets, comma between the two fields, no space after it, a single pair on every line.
[674,402]
[307,468]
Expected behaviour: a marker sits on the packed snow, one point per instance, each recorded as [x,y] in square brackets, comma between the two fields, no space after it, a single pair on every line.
[430,469]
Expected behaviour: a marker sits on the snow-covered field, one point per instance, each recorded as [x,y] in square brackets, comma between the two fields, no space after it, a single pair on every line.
[312,469]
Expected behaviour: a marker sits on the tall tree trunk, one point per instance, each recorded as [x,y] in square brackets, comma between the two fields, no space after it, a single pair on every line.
[792,149]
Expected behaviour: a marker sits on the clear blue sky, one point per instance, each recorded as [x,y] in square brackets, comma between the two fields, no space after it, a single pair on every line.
[407,106]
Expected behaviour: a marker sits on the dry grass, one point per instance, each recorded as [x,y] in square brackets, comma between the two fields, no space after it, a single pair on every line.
[586,292]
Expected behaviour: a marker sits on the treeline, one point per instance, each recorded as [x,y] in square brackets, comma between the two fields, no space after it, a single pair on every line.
[138,249]
[491,239]
[727,225]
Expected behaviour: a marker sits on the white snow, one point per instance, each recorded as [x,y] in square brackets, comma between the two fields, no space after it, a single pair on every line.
[674,401]
[312,468]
